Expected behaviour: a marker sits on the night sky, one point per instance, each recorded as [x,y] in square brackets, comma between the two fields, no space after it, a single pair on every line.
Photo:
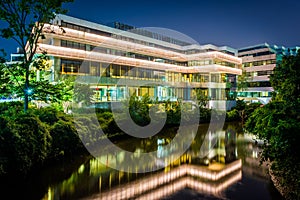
[221,22]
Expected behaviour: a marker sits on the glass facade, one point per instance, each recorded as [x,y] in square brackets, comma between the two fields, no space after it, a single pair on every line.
[117,66]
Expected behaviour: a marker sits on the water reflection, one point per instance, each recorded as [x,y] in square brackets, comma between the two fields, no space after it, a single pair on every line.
[165,183]
[214,164]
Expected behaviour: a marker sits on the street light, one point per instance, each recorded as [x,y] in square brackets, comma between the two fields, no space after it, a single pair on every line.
[29,91]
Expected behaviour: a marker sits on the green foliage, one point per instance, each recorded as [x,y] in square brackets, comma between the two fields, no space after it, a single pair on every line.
[201,98]
[65,139]
[240,105]
[139,109]
[13,78]
[107,123]
[278,124]
[250,108]
[242,83]
[28,140]
[233,115]
[173,110]
[241,111]
[280,128]
[205,115]
[24,143]
[51,115]
[7,107]
[83,93]
[25,20]
[286,79]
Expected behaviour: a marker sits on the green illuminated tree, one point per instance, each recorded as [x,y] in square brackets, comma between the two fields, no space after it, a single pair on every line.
[25,20]
[41,90]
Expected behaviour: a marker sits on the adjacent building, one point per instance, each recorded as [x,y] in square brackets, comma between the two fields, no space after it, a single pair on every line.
[119,61]
[258,63]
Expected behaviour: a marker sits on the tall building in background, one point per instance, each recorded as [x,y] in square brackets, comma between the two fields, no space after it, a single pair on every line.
[120,61]
[259,62]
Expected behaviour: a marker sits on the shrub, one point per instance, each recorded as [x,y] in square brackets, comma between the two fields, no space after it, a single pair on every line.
[50,115]
[24,143]
[65,140]
[232,115]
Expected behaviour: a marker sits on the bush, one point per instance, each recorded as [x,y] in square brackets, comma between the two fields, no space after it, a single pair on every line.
[14,105]
[65,139]
[205,114]
[249,109]
[279,127]
[233,115]
[51,115]
[24,143]
[28,140]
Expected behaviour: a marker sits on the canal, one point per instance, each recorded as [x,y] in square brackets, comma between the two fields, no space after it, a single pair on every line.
[220,164]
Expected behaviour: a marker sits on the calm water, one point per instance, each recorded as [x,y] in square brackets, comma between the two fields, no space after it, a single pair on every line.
[229,170]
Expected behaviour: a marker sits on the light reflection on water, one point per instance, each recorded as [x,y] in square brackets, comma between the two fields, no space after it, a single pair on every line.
[226,157]
[166,183]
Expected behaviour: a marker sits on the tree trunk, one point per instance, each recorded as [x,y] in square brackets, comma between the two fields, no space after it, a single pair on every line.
[26,95]
[25,101]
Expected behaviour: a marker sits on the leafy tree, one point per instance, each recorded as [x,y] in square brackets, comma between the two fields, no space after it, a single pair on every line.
[242,83]
[240,105]
[12,79]
[280,129]
[278,124]
[25,20]
[286,79]
[84,94]
[201,98]
[139,109]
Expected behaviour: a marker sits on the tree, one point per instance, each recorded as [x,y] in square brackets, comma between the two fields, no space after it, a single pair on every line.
[25,21]
[286,79]
[278,124]
[242,83]
[12,78]
[201,98]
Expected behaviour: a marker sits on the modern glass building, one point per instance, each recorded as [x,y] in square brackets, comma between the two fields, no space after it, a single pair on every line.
[119,61]
[258,63]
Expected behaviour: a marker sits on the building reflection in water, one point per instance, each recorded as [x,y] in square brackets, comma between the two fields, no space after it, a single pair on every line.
[209,166]
[166,183]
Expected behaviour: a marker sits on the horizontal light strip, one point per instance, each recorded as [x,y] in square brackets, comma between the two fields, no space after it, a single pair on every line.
[133,47]
[252,58]
[101,57]
[260,68]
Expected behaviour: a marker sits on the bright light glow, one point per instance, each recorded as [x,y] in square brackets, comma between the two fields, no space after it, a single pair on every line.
[29,91]
[156,181]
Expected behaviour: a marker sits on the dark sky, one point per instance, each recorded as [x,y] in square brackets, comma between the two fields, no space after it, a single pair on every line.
[235,23]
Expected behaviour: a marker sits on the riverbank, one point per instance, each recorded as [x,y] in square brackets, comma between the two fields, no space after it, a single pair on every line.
[41,136]
[77,180]
[283,190]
